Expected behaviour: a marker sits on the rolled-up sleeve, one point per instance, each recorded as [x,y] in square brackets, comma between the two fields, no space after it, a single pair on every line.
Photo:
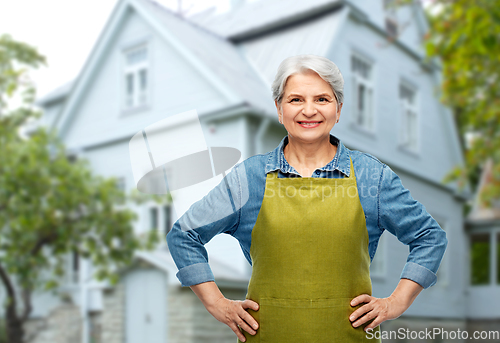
[217,212]
[409,221]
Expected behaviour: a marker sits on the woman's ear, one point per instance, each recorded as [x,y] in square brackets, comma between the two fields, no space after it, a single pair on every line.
[338,112]
[279,111]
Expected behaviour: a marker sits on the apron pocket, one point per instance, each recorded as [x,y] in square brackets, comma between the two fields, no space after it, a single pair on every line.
[309,320]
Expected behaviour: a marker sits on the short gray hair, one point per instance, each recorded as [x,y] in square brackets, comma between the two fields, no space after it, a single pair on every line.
[299,64]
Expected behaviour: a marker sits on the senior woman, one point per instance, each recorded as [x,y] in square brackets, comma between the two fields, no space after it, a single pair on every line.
[309,227]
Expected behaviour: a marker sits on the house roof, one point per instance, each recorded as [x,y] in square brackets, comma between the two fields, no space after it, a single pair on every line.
[56,94]
[479,211]
[214,57]
[255,17]
[220,55]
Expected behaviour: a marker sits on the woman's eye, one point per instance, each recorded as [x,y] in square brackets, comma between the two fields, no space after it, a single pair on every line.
[323,99]
[294,99]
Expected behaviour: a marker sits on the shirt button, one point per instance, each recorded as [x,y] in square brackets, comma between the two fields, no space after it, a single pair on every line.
[318,172]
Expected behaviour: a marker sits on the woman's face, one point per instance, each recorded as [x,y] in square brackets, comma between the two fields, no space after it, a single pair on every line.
[308,98]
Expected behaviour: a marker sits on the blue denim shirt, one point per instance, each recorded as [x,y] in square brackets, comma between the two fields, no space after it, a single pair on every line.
[233,205]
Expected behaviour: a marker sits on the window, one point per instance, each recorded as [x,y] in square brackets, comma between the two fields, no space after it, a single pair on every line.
[167,215]
[136,77]
[73,267]
[391,21]
[160,218]
[120,184]
[363,92]
[153,218]
[480,258]
[76,266]
[391,26]
[409,117]
[498,257]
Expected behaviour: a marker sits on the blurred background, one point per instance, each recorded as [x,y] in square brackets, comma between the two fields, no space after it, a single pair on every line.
[83,256]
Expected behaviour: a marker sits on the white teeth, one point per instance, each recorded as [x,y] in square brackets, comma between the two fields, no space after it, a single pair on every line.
[308,123]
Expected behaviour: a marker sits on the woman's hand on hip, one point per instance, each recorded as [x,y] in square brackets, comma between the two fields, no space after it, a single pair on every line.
[233,314]
[381,309]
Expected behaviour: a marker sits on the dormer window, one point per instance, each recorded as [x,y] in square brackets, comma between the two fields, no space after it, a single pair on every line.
[391,21]
[391,26]
[136,85]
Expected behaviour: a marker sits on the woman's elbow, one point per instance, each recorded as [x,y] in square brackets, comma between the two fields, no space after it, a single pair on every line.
[443,240]
[171,235]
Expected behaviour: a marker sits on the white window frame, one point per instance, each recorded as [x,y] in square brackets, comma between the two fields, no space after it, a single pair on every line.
[167,229]
[73,275]
[138,99]
[494,245]
[407,109]
[161,218]
[358,80]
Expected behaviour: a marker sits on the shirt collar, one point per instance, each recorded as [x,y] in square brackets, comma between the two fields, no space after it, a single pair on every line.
[340,161]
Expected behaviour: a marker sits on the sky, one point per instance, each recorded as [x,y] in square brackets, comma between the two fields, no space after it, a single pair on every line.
[65,31]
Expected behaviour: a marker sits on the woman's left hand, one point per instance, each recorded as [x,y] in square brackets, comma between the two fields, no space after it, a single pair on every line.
[381,309]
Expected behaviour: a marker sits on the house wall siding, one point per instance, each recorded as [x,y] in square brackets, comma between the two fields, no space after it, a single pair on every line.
[61,325]
[113,319]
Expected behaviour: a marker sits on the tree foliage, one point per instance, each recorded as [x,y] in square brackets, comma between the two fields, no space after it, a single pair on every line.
[465,35]
[51,206]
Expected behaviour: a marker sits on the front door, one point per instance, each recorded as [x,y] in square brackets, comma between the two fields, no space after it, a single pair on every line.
[145,306]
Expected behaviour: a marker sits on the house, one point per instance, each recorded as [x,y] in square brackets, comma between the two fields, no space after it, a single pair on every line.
[483,228]
[150,63]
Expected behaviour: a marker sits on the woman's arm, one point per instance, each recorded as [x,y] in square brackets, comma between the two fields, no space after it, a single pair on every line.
[217,212]
[383,309]
[230,312]
[408,220]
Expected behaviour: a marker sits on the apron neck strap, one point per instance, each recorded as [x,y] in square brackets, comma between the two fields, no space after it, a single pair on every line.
[352,175]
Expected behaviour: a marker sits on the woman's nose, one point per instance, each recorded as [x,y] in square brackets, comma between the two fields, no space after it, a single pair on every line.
[309,108]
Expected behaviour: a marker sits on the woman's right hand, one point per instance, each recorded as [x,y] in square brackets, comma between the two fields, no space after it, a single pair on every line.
[233,314]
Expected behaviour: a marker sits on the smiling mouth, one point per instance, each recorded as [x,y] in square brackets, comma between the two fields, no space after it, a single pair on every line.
[305,123]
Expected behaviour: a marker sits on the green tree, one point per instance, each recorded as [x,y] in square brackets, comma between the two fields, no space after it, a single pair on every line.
[465,36]
[50,206]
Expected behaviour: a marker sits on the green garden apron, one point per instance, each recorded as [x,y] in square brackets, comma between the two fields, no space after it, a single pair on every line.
[310,258]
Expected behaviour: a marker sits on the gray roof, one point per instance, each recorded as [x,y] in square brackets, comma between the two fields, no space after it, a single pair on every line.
[220,55]
[56,94]
[254,17]
[481,212]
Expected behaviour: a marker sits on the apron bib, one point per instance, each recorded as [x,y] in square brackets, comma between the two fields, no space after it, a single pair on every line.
[310,258]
